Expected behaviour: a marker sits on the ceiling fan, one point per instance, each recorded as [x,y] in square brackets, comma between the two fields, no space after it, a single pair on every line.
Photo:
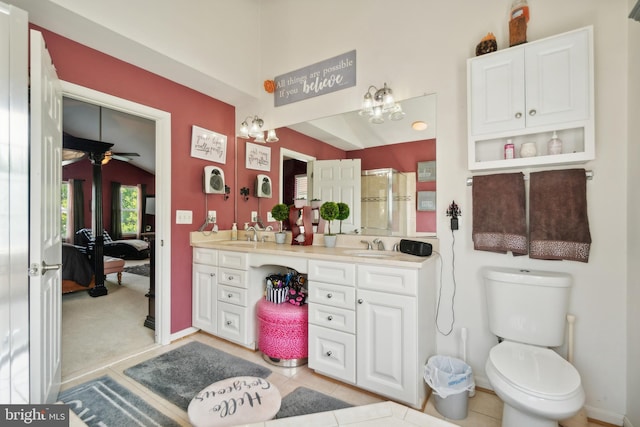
[123,157]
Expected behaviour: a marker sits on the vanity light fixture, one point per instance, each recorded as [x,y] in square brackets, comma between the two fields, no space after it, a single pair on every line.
[378,102]
[255,131]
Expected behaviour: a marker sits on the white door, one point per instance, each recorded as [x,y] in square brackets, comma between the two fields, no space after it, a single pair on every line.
[45,244]
[337,181]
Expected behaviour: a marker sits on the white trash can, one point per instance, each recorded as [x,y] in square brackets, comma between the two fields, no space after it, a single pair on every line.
[451,380]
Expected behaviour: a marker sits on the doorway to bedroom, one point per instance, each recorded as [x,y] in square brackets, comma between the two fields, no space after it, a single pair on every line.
[97,332]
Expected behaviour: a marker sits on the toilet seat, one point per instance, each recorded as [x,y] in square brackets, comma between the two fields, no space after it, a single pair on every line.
[537,371]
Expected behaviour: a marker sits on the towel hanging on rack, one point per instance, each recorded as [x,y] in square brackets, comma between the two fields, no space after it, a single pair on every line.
[558,222]
[499,218]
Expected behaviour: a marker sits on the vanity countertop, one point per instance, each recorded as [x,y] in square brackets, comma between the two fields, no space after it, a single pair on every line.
[339,253]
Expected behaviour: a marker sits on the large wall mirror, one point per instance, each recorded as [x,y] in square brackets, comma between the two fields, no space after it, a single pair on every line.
[389,153]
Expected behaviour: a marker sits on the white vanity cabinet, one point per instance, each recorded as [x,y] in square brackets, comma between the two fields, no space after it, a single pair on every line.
[393,340]
[236,304]
[332,328]
[204,289]
[384,348]
[526,92]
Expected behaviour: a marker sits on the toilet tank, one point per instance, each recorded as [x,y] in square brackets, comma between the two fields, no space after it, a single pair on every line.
[527,306]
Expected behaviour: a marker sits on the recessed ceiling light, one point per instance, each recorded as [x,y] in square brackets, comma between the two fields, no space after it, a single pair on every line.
[419,125]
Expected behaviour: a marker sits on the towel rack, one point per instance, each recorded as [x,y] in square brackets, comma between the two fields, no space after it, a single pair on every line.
[589,175]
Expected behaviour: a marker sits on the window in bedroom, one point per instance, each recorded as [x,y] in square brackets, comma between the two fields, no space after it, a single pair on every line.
[64,210]
[300,187]
[129,209]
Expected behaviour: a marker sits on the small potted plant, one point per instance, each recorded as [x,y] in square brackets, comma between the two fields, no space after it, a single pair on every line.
[343,213]
[329,211]
[316,203]
[280,212]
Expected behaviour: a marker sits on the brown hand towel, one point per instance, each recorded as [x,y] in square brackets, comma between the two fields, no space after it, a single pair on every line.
[558,223]
[499,218]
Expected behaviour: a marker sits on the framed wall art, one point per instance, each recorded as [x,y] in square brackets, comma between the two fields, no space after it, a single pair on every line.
[208,145]
[258,157]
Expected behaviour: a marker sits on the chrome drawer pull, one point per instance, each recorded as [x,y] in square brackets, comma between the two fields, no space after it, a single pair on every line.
[360,301]
[329,353]
[329,295]
[330,318]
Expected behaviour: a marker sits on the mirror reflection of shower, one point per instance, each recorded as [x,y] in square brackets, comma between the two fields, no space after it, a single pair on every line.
[388,205]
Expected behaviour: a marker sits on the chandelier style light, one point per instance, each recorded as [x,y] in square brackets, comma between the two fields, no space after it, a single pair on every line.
[255,131]
[379,102]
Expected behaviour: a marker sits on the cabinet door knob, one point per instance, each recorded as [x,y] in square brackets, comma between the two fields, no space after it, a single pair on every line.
[212,274]
[360,301]
[230,295]
[329,318]
[518,115]
[329,353]
[228,322]
[230,278]
[329,295]
[532,112]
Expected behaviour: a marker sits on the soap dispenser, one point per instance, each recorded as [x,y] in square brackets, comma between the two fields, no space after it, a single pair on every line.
[234,231]
[554,146]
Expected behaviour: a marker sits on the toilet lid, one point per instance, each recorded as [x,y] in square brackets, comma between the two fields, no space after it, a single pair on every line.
[535,369]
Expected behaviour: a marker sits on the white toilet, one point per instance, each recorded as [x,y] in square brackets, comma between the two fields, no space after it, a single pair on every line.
[527,311]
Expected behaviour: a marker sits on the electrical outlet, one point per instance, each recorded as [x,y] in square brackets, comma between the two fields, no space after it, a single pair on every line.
[254,216]
[212,217]
[270,217]
[184,217]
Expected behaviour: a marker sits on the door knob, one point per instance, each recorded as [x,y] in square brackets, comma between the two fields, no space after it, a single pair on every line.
[49,267]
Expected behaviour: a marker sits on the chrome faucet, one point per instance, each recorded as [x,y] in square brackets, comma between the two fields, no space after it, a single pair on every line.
[368,243]
[380,244]
[255,233]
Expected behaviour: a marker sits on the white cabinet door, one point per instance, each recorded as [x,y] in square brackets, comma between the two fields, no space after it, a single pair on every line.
[205,283]
[541,83]
[558,80]
[496,85]
[387,344]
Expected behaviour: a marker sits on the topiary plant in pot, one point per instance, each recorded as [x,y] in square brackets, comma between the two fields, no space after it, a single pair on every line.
[280,212]
[329,211]
[343,213]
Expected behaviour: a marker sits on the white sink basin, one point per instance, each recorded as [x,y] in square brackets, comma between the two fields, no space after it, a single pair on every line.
[238,243]
[369,253]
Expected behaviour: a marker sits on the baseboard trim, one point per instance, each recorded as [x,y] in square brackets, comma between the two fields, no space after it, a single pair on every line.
[183,333]
[627,422]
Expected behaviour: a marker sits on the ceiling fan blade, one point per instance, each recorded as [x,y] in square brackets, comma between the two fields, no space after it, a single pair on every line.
[117,156]
[128,154]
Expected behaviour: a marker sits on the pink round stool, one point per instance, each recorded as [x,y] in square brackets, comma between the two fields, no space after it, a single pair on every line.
[282,333]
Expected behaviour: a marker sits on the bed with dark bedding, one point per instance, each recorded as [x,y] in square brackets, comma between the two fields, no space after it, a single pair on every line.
[125,249]
[77,271]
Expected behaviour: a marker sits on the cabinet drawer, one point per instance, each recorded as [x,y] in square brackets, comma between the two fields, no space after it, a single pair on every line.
[332,317]
[333,295]
[232,322]
[205,256]
[332,353]
[338,273]
[232,277]
[232,295]
[239,260]
[388,279]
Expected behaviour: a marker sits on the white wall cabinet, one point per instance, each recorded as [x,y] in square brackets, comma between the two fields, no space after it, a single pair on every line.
[527,92]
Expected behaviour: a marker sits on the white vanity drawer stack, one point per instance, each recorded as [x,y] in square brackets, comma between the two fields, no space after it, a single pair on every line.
[332,319]
[233,311]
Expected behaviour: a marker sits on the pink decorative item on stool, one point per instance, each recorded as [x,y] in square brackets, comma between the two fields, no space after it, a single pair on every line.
[282,333]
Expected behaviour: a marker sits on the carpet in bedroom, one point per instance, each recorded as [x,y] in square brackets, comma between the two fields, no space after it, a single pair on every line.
[178,375]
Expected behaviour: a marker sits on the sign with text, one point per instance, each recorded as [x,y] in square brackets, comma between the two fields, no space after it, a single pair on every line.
[323,77]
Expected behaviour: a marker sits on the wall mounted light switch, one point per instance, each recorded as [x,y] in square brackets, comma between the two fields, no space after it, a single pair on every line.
[184,217]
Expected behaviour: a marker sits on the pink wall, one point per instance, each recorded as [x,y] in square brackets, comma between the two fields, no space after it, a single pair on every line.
[122,172]
[86,67]
[403,158]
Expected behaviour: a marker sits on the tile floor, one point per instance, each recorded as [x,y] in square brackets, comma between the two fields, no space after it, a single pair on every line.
[485,409]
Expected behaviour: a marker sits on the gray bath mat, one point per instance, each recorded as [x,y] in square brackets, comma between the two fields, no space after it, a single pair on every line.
[178,375]
[302,401]
[104,402]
